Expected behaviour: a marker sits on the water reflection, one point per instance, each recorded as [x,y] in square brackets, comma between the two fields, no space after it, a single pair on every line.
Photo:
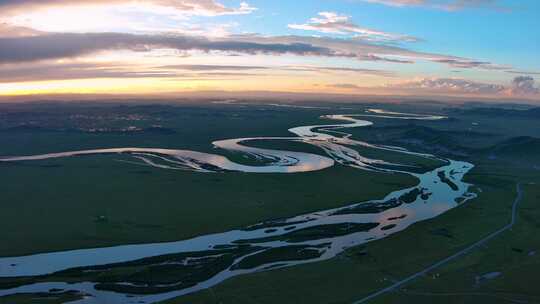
[207,260]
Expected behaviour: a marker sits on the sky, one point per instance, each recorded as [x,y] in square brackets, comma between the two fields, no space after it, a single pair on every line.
[463,48]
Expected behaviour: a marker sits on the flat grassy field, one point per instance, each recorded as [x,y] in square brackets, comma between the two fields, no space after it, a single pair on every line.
[97,201]
[94,201]
[42,298]
[365,269]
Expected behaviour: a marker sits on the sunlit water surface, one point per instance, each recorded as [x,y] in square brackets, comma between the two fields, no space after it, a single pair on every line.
[437,192]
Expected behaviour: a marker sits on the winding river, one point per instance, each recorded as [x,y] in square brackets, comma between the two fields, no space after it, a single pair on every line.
[211,259]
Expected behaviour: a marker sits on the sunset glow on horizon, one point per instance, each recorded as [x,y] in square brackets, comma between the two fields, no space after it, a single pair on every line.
[463,48]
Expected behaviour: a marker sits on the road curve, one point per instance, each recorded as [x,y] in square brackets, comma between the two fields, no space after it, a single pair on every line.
[458,254]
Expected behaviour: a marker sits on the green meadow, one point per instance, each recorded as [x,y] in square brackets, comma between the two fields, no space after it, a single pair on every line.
[97,201]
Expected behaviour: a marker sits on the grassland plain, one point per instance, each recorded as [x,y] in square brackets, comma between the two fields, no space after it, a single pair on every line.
[365,269]
[362,270]
[97,201]
[45,298]
[357,272]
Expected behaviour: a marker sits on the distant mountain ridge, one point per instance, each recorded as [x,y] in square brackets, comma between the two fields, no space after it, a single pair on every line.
[529,113]
[451,143]
[518,148]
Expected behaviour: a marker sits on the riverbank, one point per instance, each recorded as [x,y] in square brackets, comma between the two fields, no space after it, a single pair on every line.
[432,198]
[365,269]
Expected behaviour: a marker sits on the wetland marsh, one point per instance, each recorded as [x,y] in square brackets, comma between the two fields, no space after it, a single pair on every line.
[300,239]
[366,192]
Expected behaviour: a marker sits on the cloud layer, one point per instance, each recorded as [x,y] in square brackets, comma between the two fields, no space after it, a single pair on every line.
[450,85]
[39,41]
[190,7]
[333,23]
[84,70]
[450,5]
[521,86]
[23,46]
[7,30]
[524,85]
[64,45]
